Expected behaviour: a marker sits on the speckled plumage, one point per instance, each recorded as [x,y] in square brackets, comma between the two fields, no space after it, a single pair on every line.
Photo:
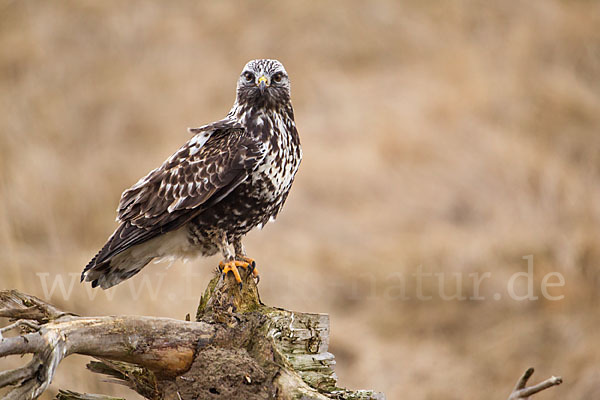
[232,176]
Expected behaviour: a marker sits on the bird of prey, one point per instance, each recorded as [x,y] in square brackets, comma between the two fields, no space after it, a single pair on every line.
[233,175]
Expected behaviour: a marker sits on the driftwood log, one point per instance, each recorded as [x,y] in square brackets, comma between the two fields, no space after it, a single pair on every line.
[237,348]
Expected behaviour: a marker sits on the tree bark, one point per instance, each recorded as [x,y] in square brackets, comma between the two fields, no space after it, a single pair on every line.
[236,348]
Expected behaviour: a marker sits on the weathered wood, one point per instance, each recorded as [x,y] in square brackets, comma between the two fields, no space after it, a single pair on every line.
[236,348]
[17,305]
[69,395]
[290,348]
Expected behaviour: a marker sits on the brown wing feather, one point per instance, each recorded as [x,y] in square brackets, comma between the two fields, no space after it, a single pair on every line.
[201,173]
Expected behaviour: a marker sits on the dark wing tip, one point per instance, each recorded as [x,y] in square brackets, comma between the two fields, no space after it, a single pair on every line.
[90,265]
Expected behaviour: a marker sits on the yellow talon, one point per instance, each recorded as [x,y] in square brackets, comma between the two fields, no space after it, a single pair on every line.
[251,263]
[231,266]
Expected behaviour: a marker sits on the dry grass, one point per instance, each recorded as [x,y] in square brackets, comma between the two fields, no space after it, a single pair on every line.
[456,136]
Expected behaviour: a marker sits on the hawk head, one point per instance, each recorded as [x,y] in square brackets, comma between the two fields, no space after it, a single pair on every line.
[263,83]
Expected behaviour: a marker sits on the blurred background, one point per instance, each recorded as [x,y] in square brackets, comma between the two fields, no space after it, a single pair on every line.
[447,139]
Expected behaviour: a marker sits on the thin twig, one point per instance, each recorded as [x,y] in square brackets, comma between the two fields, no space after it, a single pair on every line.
[522,392]
[32,325]
[523,379]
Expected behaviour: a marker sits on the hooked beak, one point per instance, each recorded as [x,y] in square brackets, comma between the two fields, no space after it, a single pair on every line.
[262,83]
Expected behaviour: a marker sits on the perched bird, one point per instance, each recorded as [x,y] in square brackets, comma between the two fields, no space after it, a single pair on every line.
[233,175]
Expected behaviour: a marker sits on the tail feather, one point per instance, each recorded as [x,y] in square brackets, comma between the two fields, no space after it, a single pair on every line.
[93,264]
[114,271]
[114,263]
[130,249]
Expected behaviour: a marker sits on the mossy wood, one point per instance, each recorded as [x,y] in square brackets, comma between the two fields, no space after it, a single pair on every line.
[236,348]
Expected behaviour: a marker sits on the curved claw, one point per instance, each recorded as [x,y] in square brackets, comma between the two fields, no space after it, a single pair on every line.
[252,270]
[232,266]
[250,265]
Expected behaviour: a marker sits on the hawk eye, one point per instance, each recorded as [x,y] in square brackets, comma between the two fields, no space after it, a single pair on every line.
[249,76]
[277,77]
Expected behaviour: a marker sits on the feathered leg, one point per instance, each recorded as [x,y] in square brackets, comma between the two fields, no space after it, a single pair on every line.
[230,263]
[240,254]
